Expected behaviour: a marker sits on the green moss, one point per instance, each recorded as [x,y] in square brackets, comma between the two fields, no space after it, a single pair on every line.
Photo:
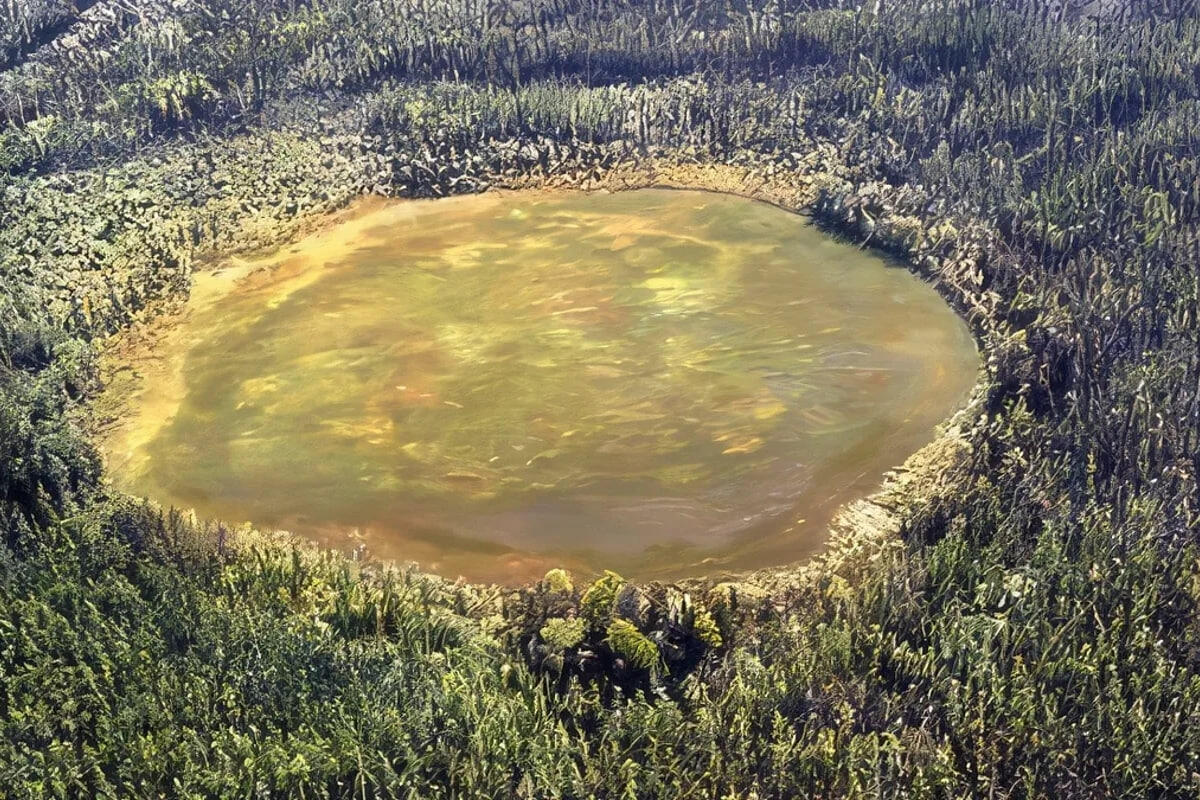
[563,634]
[704,628]
[558,581]
[599,599]
[627,641]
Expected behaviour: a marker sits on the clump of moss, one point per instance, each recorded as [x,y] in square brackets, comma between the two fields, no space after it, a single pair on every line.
[705,628]
[563,634]
[627,641]
[558,581]
[600,598]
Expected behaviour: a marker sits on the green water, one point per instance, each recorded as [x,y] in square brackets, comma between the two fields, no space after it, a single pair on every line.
[660,382]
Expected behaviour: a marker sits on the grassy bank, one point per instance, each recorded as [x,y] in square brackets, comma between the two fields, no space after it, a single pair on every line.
[1032,631]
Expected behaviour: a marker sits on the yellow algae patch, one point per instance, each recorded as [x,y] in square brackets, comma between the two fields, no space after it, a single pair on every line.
[748,445]
[769,410]
[361,430]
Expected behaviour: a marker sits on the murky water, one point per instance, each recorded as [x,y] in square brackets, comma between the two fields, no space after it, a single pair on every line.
[659,382]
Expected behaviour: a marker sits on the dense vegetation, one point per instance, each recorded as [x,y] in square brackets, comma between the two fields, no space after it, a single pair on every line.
[1037,634]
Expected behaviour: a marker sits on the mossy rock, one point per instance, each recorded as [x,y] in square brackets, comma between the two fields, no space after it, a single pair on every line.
[563,634]
[631,644]
[558,581]
[600,598]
